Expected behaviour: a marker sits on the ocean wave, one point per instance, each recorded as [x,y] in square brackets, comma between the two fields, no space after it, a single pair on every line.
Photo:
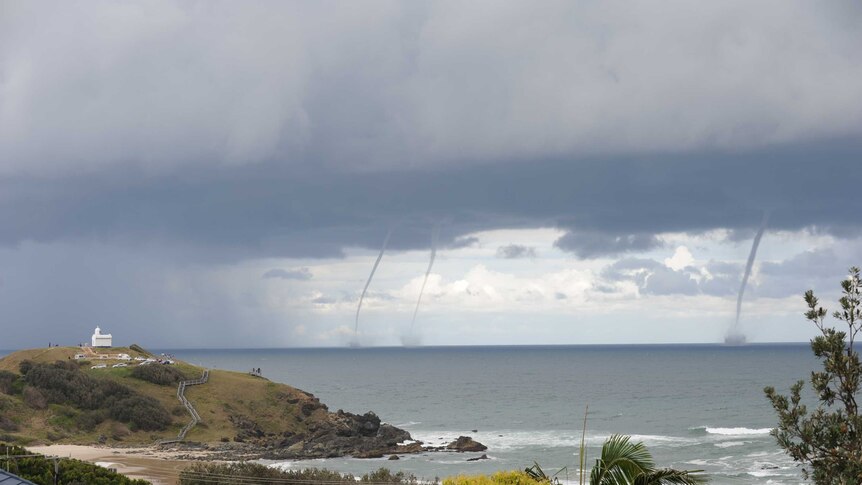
[507,440]
[737,431]
[730,444]
[407,424]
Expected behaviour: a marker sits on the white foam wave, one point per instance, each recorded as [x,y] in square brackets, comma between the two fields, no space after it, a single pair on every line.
[508,440]
[730,444]
[737,431]
[407,424]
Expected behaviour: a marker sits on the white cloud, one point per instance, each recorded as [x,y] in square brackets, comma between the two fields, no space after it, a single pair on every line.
[681,258]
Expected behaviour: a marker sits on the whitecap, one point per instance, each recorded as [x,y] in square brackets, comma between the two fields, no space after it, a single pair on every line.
[729,444]
[737,431]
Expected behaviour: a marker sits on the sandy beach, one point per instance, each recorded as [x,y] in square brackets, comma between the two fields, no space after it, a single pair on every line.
[160,467]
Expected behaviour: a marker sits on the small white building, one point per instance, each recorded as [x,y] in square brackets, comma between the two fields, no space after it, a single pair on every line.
[102,340]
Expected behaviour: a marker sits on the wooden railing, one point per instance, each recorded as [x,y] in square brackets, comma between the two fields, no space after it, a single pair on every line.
[181,395]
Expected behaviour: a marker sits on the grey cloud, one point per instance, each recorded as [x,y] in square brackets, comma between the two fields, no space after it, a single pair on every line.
[515,251]
[594,244]
[301,274]
[652,277]
[396,115]
[161,84]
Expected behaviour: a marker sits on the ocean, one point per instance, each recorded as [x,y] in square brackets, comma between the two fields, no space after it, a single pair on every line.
[694,406]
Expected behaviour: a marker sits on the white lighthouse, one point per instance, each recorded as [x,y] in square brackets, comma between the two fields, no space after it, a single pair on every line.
[101,340]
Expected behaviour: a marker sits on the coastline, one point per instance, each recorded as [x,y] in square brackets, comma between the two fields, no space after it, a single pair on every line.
[161,467]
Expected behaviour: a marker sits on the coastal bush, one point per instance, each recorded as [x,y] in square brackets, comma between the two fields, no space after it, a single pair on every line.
[40,470]
[500,478]
[384,475]
[63,383]
[34,398]
[247,472]
[7,382]
[162,375]
[142,412]
[828,440]
[6,424]
[88,420]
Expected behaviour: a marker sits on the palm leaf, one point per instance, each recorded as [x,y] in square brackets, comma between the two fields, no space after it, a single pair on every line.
[669,476]
[621,462]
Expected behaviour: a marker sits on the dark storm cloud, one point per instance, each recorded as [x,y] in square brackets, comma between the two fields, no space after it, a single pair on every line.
[199,134]
[595,243]
[516,251]
[327,124]
[270,210]
[302,274]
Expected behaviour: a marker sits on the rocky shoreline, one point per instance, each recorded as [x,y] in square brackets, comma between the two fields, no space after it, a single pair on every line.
[339,434]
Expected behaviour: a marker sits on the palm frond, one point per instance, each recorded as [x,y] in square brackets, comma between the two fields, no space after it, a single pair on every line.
[670,476]
[621,462]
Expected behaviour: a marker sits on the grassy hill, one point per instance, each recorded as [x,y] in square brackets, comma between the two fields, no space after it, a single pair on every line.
[233,406]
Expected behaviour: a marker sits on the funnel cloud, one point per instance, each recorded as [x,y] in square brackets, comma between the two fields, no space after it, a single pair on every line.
[734,336]
[365,289]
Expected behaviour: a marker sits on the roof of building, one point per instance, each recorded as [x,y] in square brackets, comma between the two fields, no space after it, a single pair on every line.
[7,478]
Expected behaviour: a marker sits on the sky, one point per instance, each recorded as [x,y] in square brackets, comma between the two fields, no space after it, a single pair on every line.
[223,174]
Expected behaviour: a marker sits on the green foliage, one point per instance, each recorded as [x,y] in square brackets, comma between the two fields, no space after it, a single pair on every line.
[625,463]
[142,412]
[499,478]
[7,382]
[384,475]
[64,383]
[246,472]
[828,440]
[40,470]
[162,375]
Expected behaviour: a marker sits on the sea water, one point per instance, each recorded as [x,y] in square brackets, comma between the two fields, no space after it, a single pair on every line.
[694,406]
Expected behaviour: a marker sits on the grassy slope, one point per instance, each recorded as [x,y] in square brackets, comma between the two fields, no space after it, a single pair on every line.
[275,408]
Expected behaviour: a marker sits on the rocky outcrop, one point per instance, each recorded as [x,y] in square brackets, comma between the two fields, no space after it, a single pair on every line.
[342,434]
[466,443]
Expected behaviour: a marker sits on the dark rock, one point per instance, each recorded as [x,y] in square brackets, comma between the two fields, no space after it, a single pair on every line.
[483,457]
[466,443]
[411,448]
[394,457]
[369,454]
[474,430]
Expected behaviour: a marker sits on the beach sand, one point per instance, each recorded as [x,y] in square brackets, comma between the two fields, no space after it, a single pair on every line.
[157,466]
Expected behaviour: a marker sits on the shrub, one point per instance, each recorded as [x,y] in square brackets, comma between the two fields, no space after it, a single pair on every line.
[7,382]
[142,412]
[64,383]
[228,473]
[88,420]
[159,374]
[6,424]
[34,398]
[25,366]
[499,478]
[384,475]
[71,472]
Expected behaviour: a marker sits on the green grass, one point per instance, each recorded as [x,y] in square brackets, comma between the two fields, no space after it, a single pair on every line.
[275,408]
